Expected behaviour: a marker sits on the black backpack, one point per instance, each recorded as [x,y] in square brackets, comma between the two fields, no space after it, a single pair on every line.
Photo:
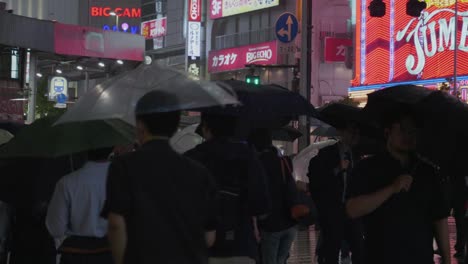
[230,176]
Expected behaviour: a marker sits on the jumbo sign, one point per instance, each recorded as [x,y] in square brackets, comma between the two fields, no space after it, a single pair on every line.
[398,47]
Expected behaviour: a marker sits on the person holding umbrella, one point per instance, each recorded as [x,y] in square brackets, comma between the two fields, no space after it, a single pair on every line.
[329,173]
[159,204]
[400,197]
[74,212]
[242,194]
[279,228]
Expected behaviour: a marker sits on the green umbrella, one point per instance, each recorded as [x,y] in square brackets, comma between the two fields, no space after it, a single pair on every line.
[42,139]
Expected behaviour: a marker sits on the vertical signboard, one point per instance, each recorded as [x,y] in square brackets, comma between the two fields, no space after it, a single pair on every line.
[194,39]
[58,91]
[194,30]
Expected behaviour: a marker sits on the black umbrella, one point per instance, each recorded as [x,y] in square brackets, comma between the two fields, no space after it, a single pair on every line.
[266,106]
[12,127]
[286,133]
[339,115]
[441,117]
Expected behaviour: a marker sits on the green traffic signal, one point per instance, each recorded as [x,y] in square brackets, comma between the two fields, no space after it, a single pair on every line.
[252,79]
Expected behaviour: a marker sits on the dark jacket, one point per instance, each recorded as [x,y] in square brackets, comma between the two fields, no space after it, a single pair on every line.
[326,187]
[280,217]
[235,168]
[167,202]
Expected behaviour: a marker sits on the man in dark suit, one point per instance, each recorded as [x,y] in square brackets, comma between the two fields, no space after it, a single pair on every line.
[328,176]
[159,203]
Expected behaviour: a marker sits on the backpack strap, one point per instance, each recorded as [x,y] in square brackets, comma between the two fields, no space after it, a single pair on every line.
[285,166]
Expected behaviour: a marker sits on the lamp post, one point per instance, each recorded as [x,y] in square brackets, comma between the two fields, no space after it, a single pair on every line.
[114,14]
[305,69]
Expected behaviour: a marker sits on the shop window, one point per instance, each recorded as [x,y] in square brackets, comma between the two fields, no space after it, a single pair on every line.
[9,64]
[254,22]
[15,64]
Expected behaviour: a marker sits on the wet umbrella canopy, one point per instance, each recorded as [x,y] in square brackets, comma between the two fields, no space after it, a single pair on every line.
[117,97]
[42,139]
[268,106]
[441,118]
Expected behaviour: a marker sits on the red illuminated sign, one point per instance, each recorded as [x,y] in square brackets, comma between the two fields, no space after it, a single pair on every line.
[397,47]
[98,11]
[154,28]
[194,10]
[335,49]
[237,58]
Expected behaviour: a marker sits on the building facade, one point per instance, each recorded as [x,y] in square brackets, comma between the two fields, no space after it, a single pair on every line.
[165,23]
[253,30]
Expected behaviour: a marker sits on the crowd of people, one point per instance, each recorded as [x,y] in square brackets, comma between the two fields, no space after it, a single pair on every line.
[233,199]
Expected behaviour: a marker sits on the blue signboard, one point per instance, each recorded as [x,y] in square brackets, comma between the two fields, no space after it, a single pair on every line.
[58,91]
[286,27]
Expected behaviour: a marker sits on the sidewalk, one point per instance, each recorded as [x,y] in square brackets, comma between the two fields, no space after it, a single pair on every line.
[303,248]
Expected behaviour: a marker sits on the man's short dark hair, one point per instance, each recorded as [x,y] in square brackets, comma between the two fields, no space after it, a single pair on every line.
[158,111]
[99,154]
[161,124]
[220,125]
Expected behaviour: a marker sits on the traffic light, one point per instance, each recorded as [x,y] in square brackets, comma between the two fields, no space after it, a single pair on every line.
[252,79]
[415,7]
[377,8]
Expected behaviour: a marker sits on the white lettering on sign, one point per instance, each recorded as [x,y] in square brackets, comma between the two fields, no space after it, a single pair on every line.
[341,50]
[426,48]
[195,10]
[261,55]
[224,59]
[216,7]
[194,39]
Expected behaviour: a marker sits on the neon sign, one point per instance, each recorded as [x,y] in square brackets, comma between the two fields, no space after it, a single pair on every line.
[400,48]
[98,11]
[124,27]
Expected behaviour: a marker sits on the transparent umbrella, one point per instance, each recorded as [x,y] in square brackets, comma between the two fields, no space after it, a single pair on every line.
[117,97]
[5,136]
[186,139]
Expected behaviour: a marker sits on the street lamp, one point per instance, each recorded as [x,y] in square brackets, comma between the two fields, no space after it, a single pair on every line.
[114,14]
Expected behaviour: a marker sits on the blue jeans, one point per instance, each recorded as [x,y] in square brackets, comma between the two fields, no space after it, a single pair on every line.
[275,246]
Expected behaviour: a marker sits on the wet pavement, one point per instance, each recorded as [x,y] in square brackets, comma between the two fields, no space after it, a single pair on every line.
[303,248]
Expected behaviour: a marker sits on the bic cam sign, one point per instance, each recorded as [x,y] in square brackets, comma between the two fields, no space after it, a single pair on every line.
[98,11]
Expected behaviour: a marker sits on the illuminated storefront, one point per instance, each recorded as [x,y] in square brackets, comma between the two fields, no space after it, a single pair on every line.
[400,49]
